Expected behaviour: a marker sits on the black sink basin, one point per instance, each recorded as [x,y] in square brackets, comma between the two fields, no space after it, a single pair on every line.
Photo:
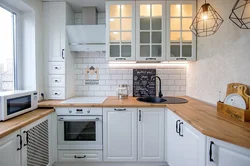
[151,99]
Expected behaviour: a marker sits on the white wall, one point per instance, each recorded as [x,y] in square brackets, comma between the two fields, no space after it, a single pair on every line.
[222,58]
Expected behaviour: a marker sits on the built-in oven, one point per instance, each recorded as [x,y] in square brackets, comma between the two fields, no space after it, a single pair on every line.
[79,128]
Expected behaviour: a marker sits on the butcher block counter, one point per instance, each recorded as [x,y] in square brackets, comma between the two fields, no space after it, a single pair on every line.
[200,115]
[11,125]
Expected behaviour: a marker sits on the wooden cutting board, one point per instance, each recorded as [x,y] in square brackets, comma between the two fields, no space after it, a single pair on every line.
[240,89]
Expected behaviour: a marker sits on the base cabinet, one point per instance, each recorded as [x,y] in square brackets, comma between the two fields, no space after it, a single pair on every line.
[120,134]
[220,153]
[184,144]
[150,134]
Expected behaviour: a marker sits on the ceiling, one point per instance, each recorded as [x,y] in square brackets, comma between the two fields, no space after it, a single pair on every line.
[78,4]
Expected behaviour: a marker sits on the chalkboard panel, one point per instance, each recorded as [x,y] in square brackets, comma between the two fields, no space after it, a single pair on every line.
[144,83]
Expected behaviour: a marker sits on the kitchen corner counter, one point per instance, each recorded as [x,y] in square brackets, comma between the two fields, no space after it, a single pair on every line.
[201,116]
[11,125]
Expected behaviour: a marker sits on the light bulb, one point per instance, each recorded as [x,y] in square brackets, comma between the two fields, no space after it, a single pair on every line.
[115,33]
[112,19]
[204,16]
[178,6]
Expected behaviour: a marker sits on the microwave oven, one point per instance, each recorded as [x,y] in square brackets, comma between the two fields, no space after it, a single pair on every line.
[14,103]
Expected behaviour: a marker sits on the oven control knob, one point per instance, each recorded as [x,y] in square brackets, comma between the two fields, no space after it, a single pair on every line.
[70,111]
[88,111]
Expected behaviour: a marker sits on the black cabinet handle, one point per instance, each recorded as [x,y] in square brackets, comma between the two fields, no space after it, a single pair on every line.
[139,115]
[27,138]
[20,142]
[62,53]
[211,152]
[120,109]
[180,129]
[76,157]
[120,59]
[177,124]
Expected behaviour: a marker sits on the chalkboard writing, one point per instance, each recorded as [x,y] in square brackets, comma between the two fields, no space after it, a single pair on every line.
[144,83]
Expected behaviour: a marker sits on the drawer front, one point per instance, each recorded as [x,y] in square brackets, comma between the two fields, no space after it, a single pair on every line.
[80,155]
[57,80]
[56,93]
[56,68]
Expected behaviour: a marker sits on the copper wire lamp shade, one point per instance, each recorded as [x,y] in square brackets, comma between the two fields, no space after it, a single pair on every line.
[206,22]
[241,14]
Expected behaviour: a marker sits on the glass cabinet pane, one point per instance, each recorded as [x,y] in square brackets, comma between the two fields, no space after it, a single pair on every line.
[187,11]
[175,10]
[126,24]
[187,51]
[186,36]
[145,37]
[125,51]
[145,51]
[156,37]
[126,10]
[144,10]
[156,10]
[126,36]
[145,23]
[114,51]
[156,24]
[114,36]
[156,51]
[186,22]
[114,24]
[175,50]
[175,36]
[114,11]
[175,24]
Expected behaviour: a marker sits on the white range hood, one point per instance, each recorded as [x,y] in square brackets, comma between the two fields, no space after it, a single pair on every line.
[89,38]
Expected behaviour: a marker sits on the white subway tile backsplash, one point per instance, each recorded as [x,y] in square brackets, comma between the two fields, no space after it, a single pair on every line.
[173,78]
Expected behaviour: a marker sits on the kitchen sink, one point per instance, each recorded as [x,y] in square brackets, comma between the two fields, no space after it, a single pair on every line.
[150,99]
[163,100]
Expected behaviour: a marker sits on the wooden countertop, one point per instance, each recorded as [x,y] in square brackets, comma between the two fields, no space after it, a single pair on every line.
[11,125]
[201,116]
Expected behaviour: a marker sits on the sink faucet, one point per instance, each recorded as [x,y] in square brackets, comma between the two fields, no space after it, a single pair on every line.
[160,93]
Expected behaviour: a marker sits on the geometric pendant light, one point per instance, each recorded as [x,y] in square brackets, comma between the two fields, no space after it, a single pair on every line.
[241,14]
[206,22]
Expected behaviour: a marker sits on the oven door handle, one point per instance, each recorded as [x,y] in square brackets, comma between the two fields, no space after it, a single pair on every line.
[78,120]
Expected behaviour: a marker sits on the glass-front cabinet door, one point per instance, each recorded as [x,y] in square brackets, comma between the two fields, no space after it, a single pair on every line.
[120,40]
[181,42]
[150,28]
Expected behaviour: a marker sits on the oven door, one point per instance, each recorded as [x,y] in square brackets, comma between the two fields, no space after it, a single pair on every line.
[79,132]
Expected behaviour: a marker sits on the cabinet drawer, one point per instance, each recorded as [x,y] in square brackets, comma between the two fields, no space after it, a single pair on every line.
[80,155]
[56,68]
[57,80]
[56,93]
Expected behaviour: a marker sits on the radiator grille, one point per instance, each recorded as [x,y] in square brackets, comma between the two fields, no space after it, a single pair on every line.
[38,148]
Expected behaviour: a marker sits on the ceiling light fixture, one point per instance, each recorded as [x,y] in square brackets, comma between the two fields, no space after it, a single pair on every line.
[241,14]
[206,22]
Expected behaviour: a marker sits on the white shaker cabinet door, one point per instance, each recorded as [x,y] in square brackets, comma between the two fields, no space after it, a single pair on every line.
[220,153]
[10,150]
[120,134]
[150,134]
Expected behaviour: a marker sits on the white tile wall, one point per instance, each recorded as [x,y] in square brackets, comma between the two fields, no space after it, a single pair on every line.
[173,77]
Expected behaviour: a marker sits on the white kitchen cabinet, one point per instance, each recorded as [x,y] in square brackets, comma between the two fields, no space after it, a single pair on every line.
[120,134]
[58,61]
[181,42]
[28,146]
[9,150]
[151,134]
[220,153]
[120,30]
[150,31]
[183,142]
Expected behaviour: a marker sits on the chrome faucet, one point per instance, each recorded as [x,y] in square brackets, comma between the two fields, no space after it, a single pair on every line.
[160,93]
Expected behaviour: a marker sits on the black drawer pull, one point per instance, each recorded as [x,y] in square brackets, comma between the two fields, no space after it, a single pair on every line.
[181,129]
[120,109]
[20,142]
[120,59]
[78,157]
[27,138]
[176,127]
[211,152]
[150,59]
[63,54]
[139,115]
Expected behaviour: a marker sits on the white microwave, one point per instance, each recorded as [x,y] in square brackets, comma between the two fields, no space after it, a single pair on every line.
[14,103]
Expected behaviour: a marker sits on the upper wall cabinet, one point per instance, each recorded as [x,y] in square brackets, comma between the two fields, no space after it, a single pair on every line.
[150,30]
[120,30]
[181,42]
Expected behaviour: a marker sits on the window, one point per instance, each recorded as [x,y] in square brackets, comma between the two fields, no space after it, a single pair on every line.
[7,49]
